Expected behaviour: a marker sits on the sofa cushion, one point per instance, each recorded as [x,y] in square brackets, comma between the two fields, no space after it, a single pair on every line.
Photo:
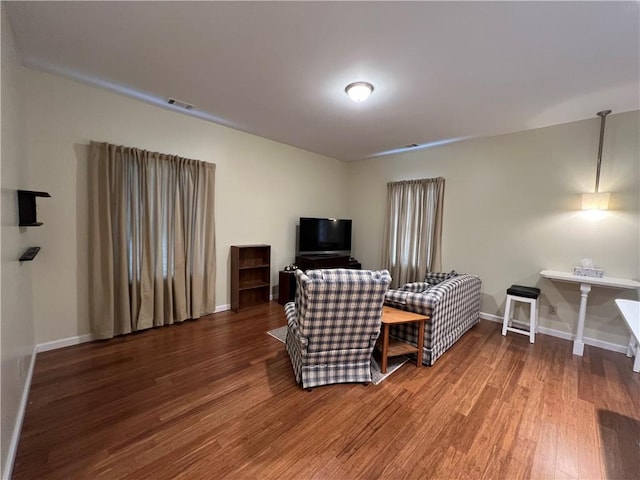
[437,277]
[415,287]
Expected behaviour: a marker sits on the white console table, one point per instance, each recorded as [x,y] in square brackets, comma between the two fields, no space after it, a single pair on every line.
[630,310]
[585,288]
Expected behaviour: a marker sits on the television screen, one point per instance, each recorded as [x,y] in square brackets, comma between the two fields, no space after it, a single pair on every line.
[324,236]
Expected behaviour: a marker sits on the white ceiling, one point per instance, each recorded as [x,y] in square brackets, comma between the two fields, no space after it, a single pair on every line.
[441,70]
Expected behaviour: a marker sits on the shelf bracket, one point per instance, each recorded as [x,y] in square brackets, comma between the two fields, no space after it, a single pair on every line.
[27,207]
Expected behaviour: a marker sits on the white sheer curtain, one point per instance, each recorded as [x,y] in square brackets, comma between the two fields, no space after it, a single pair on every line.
[152,239]
[413,229]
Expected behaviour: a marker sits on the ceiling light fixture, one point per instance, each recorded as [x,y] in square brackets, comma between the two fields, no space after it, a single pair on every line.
[597,200]
[359,91]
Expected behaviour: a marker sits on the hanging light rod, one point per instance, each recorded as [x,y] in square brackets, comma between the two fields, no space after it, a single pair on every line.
[598,200]
[603,117]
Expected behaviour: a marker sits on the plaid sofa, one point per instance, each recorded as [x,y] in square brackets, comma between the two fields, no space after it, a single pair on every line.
[451,299]
[334,323]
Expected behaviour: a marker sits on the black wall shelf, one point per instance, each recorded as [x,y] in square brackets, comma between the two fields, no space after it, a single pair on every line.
[29,254]
[27,207]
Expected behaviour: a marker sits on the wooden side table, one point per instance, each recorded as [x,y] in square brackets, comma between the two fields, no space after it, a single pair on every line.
[391,316]
[286,287]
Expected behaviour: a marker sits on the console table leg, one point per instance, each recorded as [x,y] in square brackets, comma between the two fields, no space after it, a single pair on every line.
[578,344]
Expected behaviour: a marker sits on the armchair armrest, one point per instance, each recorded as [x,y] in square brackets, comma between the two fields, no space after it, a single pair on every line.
[292,324]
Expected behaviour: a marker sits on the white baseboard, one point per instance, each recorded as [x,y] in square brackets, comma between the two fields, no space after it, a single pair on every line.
[67,342]
[222,308]
[614,347]
[17,428]
[594,342]
[64,342]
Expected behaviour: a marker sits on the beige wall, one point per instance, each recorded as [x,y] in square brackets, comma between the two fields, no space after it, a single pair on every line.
[262,187]
[16,316]
[511,210]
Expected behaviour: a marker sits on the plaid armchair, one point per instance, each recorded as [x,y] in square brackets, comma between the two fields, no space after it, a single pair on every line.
[451,300]
[333,324]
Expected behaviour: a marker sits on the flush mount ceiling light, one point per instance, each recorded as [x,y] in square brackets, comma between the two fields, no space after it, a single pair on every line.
[597,200]
[359,91]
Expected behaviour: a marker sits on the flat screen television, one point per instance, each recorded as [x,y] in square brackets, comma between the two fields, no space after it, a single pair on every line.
[324,236]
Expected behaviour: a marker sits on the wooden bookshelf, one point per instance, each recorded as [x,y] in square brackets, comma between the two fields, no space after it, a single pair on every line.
[250,275]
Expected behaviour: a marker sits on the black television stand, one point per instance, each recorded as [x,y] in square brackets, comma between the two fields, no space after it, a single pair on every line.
[312,262]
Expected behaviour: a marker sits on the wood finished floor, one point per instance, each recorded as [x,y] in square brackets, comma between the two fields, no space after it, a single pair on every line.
[215,398]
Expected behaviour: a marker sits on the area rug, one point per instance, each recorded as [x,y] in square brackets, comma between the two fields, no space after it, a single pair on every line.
[377,377]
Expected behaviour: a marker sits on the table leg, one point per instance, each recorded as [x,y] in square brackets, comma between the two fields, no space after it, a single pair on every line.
[578,344]
[634,349]
[385,347]
[420,343]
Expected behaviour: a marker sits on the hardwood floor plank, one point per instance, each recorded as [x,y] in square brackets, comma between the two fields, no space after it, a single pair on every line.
[589,466]
[216,398]
[520,460]
[544,458]
[568,441]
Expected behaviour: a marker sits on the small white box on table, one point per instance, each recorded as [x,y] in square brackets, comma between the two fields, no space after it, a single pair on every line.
[588,272]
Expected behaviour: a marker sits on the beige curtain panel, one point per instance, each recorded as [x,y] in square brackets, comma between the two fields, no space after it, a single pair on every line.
[152,239]
[413,229]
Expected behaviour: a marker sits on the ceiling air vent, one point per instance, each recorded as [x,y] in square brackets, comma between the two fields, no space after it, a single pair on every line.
[179,103]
